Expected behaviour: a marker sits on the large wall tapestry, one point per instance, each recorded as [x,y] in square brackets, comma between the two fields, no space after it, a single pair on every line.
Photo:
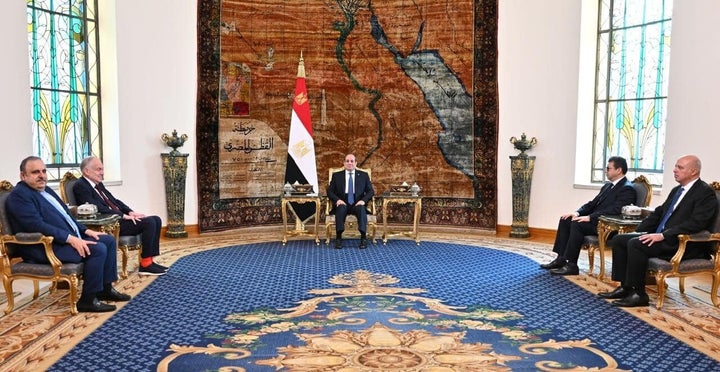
[410,88]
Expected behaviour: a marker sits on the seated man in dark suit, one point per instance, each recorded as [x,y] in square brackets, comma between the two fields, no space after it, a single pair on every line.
[350,190]
[90,189]
[573,227]
[690,208]
[33,207]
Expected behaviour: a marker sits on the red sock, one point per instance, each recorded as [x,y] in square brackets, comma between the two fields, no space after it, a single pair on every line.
[146,261]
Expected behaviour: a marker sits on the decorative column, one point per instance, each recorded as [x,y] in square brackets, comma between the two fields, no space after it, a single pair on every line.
[521,167]
[174,166]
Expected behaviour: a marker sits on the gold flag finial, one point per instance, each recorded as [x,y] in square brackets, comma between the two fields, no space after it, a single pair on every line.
[301,67]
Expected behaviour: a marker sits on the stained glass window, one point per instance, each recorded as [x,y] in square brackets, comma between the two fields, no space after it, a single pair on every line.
[631,81]
[65,82]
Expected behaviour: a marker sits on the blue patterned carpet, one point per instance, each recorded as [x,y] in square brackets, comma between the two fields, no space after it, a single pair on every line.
[506,303]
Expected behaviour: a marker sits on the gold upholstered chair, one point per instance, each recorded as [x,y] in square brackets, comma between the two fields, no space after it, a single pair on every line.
[13,267]
[676,267]
[643,191]
[125,243]
[351,220]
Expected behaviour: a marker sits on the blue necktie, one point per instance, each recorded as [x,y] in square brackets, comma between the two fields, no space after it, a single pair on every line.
[351,189]
[670,210]
[61,210]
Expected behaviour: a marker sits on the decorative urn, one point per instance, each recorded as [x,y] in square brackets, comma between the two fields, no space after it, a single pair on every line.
[414,189]
[523,144]
[174,141]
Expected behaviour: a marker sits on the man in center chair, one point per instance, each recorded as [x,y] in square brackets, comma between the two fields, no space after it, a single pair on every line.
[350,191]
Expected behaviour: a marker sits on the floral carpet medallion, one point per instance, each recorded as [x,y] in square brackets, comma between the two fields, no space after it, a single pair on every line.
[369,325]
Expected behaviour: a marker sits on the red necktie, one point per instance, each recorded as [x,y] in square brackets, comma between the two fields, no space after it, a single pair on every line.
[99,187]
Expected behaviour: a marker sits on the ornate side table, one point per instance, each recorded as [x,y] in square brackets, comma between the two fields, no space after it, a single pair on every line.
[389,199]
[607,225]
[299,229]
[107,223]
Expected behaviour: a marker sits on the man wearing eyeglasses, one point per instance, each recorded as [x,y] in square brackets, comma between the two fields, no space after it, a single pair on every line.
[572,228]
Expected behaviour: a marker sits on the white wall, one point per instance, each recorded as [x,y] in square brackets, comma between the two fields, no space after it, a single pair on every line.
[538,46]
[15,126]
[156,46]
[156,66]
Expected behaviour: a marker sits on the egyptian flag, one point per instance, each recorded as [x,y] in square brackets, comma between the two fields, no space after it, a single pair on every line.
[301,166]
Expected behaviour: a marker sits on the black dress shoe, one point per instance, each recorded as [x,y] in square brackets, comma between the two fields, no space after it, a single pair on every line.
[363,243]
[633,300]
[619,292]
[569,269]
[94,307]
[554,264]
[338,243]
[113,295]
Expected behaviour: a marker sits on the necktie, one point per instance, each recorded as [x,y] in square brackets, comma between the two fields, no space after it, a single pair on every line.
[61,210]
[100,187]
[351,189]
[670,210]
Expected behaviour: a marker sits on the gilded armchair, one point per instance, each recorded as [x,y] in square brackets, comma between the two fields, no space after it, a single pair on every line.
[677,267]
[125,243]
[351,220]
[13,267]
[643,190]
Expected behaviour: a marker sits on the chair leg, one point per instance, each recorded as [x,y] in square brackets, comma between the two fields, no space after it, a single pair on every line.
[661,287]
[7,283]
[681,284]
[591,258]
[327,233]
[36,289]
[73,284]
[124,259]
[714,290]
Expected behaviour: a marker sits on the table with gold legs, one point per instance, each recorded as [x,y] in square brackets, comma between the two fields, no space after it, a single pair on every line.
[389,199]
[299,228]
[109,224]
[606,226]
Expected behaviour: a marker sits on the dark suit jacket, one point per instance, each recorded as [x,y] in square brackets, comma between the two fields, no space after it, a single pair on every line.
[28,211]
[695,212]
[363,188]
[85,193]
[609,202]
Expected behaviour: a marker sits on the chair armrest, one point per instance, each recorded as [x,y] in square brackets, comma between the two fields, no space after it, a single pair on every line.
[683,239]
[29,237]
[33,239]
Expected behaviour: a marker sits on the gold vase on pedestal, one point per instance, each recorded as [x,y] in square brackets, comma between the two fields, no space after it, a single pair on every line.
[174,171]
[521,168]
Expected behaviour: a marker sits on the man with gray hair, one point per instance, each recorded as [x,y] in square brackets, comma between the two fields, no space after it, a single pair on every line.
[90,189]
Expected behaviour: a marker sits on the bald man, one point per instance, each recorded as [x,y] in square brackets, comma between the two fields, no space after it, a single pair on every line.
[691,207]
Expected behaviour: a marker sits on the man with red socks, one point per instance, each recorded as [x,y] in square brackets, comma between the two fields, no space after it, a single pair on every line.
[90,189]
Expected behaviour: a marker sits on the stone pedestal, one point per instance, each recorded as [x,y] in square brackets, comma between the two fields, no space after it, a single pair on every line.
[521,167]
[174,171]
